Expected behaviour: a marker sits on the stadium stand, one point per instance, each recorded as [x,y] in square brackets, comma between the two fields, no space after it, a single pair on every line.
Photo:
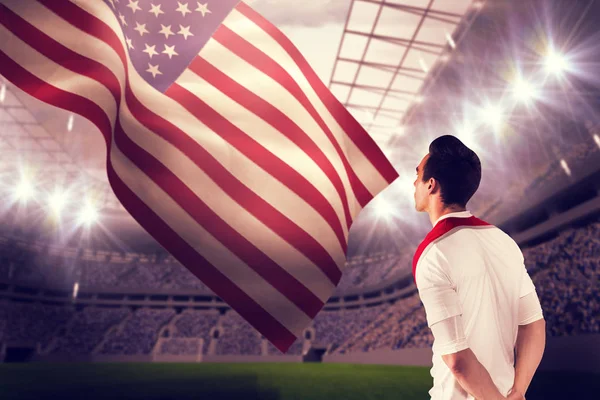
[138,334]
[238,336]
[565,270]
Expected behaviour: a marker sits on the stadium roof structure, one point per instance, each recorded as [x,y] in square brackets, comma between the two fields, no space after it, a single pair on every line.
[389,51]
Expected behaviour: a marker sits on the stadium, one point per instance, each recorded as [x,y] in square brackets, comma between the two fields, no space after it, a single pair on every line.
[92,306]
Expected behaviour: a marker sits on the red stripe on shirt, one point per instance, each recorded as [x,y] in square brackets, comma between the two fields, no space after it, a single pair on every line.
[443,227]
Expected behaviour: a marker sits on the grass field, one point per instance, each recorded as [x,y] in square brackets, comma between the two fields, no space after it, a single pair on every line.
[249,381]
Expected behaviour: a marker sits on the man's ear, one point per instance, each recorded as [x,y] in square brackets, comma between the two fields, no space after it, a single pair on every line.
[432,185]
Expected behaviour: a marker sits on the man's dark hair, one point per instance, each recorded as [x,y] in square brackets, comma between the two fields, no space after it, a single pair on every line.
[455,167]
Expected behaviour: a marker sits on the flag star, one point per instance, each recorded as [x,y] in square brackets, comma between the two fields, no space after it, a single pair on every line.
[185,31]
[129,44]
[183,8]
[150,50]
[112,3]
[203,8]
[156,10]
[122,17]
[153,69]
[170,51]
[141,28]
[134,6]
[166,30]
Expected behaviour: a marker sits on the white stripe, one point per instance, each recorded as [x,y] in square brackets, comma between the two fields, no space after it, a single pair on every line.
[257,179]
[272,140]
[230,211]
[255,35]
[273,93]
[232,267]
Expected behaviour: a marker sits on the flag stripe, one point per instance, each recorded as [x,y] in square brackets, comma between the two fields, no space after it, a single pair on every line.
[262,62]
[277,276]
[265,42]
[223,287]
[263,211]
[337,110]
[272,93]
[243,304]
[285,126]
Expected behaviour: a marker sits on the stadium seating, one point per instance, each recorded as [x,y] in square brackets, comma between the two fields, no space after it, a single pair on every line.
[565,270]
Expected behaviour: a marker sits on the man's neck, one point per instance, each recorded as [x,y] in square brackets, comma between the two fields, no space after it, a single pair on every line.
[442,210]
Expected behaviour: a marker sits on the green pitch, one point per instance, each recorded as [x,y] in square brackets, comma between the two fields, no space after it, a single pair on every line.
[248,381]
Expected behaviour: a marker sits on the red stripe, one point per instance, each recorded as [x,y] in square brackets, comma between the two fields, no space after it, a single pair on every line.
[443,227]
[270,327]
[253,203]
[262,264]
[353,129]
[289,129]
[253,56]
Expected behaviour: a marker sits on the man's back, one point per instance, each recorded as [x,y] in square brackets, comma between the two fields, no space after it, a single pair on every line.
[485,276]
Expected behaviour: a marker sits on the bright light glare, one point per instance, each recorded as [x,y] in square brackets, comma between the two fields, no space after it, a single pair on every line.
[492,115]
[597,140]
[57,202]
[2,92]
[556,63]
[88,214]
[523,90]
[383,209]
[70,123]
[424,66]
[24,190]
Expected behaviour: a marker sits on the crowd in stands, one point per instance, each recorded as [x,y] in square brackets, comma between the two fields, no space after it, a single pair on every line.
[334,327]
[565,270]
[139,332]
[383,330]
[86,330]
[31,323]
[196,324]
[238,336]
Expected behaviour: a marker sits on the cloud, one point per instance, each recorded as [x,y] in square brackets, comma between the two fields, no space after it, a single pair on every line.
[302,13]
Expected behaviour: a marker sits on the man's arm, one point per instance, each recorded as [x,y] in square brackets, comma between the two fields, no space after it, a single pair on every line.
[531,341]
[451,343]
[472,375]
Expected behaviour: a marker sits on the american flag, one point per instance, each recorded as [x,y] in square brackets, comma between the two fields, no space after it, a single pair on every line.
[222,141]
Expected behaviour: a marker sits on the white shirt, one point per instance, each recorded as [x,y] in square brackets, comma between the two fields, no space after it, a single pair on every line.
[474,286]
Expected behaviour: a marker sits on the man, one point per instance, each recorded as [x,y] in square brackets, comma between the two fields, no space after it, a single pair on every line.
[480,302]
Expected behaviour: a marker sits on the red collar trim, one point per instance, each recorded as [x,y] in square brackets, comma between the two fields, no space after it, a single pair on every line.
[444,226]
